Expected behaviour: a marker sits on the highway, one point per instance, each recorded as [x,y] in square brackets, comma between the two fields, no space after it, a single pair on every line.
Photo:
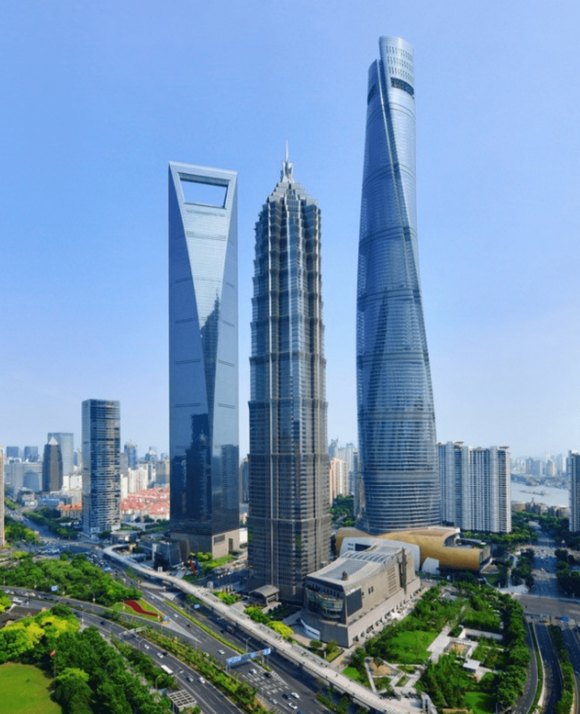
[309,662]
[526,700]
[572,641]
[211,700]
[552,676]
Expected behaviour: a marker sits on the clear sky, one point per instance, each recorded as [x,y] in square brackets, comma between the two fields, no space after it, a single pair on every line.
[98,97]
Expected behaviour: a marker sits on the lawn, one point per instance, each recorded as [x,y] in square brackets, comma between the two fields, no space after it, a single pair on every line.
[480,702]
[354,674]
[25,690]
[410,647]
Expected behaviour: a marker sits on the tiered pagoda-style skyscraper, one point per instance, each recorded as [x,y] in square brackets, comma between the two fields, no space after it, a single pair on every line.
[289,522]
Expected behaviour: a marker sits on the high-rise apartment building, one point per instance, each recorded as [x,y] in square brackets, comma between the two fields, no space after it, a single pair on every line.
[52,470]
[574,471]
[101,423]
[396,417]
[66,441]
[203,358]
[475,487]
[289,522]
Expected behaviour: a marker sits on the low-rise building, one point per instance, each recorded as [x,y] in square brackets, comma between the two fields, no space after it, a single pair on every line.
[356,592]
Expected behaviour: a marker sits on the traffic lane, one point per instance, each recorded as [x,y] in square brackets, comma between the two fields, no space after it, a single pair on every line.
[526,700]
[551,669]
[549,606]
[273,688]
[207,695]
[293,680]
[572,642]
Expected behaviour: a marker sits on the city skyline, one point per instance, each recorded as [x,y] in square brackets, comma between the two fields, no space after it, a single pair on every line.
[116,108]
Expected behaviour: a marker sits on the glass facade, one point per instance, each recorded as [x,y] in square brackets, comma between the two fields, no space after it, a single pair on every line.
[203,350]
[101,466]
[289,522]
[396,417]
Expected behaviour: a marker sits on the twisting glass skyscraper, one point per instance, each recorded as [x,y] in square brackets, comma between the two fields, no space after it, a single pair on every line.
[289,522]
[203,358]
[395,402]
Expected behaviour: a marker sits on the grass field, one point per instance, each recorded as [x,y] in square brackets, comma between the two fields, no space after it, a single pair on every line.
[410,647]
[480,703]
[25,690]
[354,674]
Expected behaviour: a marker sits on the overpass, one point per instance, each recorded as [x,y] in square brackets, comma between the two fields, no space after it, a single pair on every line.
[297,655]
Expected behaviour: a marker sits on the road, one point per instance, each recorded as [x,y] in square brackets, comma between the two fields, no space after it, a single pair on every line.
[572,641]
[526,700]
[209,698]
[298,656]
[552,677]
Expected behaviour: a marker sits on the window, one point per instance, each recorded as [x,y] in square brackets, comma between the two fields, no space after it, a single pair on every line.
[400,84]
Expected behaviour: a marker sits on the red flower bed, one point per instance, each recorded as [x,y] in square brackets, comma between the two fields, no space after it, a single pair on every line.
[134,605]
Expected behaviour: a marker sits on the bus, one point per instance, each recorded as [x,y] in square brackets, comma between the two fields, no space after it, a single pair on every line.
[166,669]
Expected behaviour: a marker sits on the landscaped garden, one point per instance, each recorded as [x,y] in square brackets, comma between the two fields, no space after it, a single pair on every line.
[405,645]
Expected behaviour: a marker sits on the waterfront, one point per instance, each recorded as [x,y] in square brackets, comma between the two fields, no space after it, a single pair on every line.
[523,493]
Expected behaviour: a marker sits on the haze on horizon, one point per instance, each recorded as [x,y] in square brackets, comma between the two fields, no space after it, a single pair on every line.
[100,98]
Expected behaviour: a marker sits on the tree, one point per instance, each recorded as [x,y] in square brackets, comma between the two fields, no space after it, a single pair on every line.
[72,692]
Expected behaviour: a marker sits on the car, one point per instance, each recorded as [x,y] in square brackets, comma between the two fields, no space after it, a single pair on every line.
[221,652]
[253,671]
[201,680]
[292,705]
[295,695]
[267,674]
[190,679]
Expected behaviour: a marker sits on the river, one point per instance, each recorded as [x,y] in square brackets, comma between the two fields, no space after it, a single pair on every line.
[523,493]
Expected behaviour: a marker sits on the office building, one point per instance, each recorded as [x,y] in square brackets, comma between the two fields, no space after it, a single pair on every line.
[289,522]
[101,423]
[12,452]
[66,441]
[475,487]
[31,454]
[130,451]
[574,471]
[2,535]
[52,471]
[203,358]
[396,418]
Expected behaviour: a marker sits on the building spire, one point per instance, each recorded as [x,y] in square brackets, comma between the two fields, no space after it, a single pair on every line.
[287,166]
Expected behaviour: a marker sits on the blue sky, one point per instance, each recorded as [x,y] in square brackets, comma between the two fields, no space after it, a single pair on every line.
[98,97]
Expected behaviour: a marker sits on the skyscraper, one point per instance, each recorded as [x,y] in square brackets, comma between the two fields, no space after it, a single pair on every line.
[289,522]
[66,442]
[203,358]
[101,466]
[396,418]
[52,467]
